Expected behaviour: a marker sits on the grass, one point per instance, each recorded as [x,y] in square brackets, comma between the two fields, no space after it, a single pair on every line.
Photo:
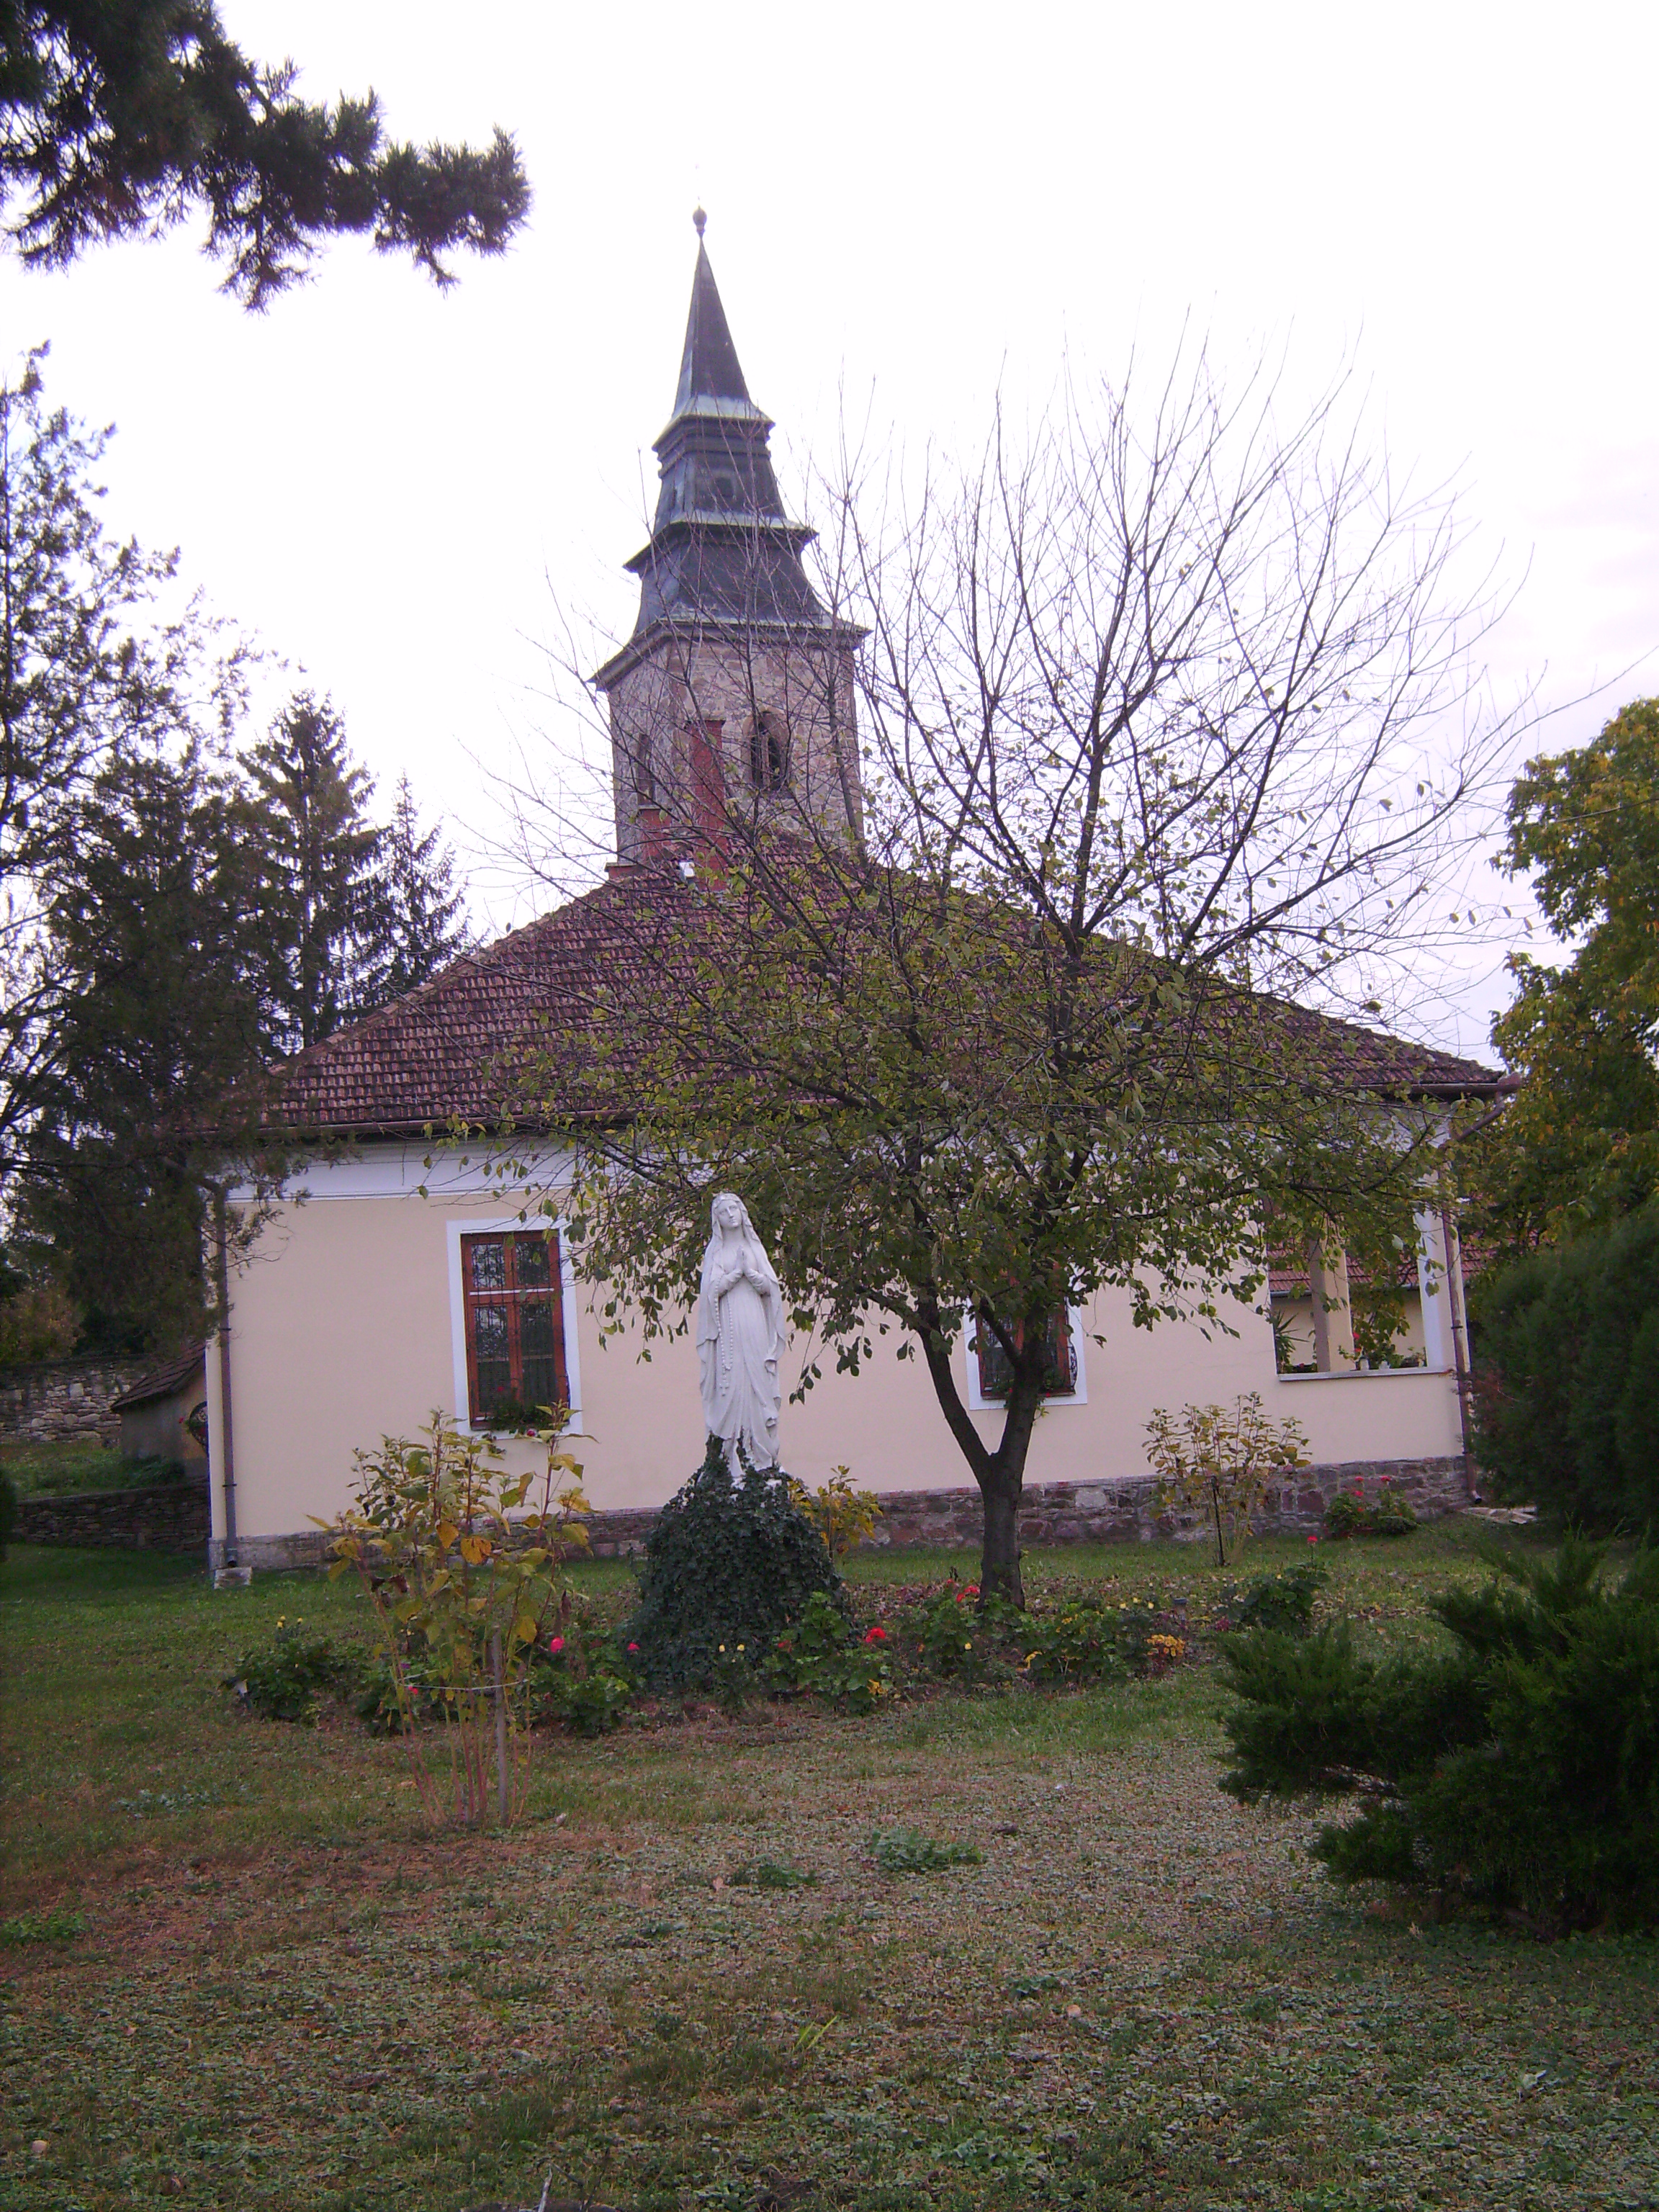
[79,1463]
[238,1972]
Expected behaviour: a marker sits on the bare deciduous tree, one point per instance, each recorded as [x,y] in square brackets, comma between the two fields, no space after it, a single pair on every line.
[1170,720]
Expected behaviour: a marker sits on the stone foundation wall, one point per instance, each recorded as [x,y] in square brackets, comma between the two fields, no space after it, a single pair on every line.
[1105,1512]
[1126,1512]
[60,1398]
[162,1516]
[1053,1513]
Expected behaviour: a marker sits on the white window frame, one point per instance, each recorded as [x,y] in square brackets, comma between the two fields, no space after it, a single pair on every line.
[1433,1281]
[1077,1395]
[500,1225]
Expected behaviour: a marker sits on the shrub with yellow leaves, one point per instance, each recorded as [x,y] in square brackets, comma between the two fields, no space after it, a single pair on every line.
[1222,1462]
[461,1562]
[844,1516]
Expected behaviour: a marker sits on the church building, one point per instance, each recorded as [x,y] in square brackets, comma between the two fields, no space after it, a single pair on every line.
[392,1275]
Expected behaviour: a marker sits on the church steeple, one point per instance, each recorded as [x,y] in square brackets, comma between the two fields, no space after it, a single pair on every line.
[708,366]
[736,676]
[722,551]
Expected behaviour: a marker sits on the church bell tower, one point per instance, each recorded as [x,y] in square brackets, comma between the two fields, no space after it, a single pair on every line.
[735,695]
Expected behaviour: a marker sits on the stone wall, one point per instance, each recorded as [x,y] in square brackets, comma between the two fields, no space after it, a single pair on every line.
[719,685]
[1053,1513]
[1106,1512]
[162,1516]
[60,1398]
[1126,1512]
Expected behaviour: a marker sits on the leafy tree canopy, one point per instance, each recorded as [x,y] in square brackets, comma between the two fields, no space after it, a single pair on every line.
[120,117]
[88,669]
[1580,1144]
[174,916]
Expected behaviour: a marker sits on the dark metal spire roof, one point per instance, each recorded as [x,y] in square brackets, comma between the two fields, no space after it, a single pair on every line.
[723,555]
[710,368]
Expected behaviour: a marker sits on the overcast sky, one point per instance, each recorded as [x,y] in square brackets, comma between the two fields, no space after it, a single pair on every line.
[915,205]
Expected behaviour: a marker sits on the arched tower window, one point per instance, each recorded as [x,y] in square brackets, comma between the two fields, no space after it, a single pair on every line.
[768,751]
[643,766]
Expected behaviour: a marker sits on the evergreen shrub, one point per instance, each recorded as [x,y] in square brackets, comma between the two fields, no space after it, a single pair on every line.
[1518,1771]
[732,1560]
[1567,1376]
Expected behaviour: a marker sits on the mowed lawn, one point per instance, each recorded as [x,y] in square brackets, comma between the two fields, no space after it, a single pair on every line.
[239,1972]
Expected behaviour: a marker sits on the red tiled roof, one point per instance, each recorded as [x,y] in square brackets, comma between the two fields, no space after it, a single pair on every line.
[162,1381]
[446,1051]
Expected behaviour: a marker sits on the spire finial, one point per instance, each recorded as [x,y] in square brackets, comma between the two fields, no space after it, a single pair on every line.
[699,221]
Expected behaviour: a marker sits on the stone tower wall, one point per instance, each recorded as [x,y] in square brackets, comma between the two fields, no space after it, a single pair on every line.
[663,719]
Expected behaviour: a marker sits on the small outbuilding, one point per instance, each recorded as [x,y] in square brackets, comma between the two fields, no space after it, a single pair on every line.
[164,1415]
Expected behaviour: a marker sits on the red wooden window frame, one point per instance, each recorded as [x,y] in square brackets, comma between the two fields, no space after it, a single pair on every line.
[510,1296]
[993,1388]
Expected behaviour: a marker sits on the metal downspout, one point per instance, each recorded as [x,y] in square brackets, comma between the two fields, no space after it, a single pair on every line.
[1453,1251]
[226,1426]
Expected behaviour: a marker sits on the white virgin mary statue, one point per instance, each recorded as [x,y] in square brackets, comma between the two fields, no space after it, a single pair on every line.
[740,1333]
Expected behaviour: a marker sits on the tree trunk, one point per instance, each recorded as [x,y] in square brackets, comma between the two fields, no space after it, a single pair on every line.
[998,1565]
[1000,1473]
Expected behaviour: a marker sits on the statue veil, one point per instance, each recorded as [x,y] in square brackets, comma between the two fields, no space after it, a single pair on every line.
[739,1335]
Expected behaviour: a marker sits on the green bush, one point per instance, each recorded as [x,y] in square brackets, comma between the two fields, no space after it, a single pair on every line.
[377,1703]
[61,1924]
[581,1675]
[730,1561]
[8,1510]
[1085,1641]
[1518,1771]
[285,1680]
[1567,1379]
[955,1641]
[903,1850]
[824,1656]
[772,1874]
[1077,1640]
[1284,1600]
[1348,1515]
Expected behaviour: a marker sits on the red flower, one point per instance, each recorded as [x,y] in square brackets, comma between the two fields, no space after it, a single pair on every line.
[1313,1540]
[972,1590]
[633,1646]
[556,1643]
[876,1636]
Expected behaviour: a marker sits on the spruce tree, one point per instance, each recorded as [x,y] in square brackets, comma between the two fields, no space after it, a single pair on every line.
[150,916]
[318,858]
[421,910]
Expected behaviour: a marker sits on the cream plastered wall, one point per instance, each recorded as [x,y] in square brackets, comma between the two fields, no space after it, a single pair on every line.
[345,1327]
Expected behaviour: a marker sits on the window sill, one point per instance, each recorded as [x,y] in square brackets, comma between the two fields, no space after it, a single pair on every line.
[1365,1375]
